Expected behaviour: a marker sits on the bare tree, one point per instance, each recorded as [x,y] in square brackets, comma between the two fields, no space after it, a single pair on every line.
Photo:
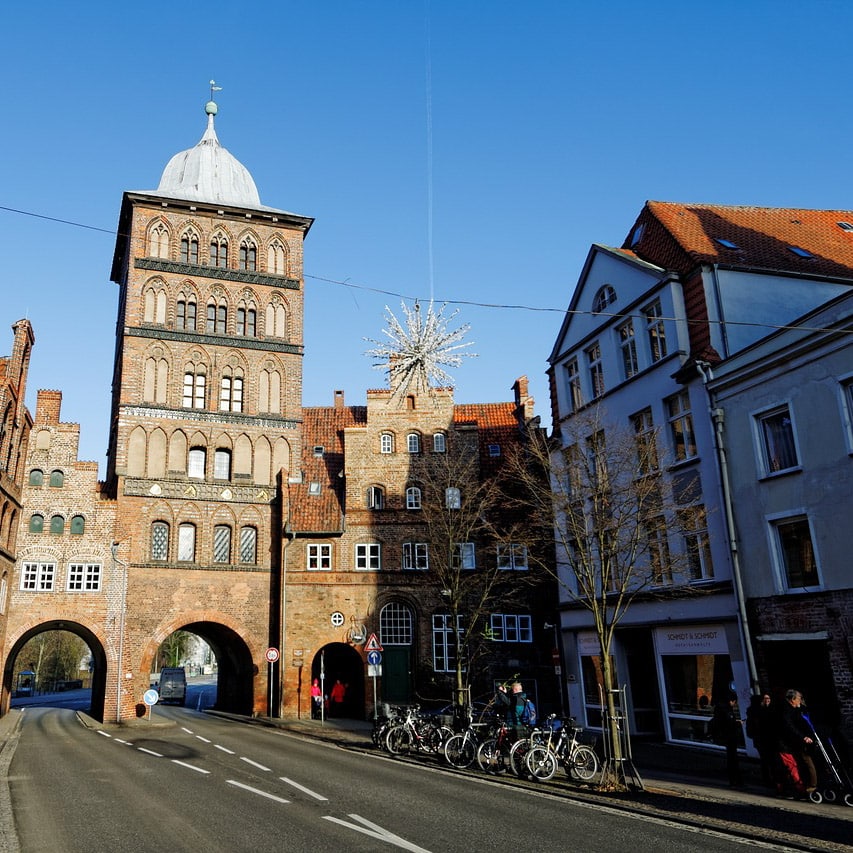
[174,649]
[609,508]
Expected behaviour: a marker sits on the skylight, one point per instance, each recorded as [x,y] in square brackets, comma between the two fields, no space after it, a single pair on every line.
[845,226]
[726,244]
[801,253]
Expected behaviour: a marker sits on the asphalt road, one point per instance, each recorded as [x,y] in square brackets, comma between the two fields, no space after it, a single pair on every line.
[193,782]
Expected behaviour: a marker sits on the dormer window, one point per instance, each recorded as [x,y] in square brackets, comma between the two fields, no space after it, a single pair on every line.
[319,450]
[314,488]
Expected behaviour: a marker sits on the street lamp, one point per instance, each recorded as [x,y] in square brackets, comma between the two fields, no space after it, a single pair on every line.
[557,668]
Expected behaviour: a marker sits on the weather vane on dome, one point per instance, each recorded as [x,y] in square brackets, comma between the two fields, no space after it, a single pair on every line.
[214,88]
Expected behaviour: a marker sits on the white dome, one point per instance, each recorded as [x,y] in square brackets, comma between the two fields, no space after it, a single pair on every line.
[209,173]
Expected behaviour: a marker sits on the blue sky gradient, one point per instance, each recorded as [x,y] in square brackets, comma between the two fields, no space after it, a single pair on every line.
[467,150]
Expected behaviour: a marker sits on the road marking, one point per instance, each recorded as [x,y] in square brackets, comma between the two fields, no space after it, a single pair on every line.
[105,734]
[190,766]
[375,831]
[202,739]
[257,791]
[254,764]
[149,751]
[123,742]
[185,729]
[303,788]
[224,749]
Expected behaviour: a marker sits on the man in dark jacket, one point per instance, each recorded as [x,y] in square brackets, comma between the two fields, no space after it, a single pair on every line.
[727,732]
[794,736]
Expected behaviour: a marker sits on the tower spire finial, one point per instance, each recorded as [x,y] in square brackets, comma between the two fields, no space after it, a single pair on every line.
[211,107]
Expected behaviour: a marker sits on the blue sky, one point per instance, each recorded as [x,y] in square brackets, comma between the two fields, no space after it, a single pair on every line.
[472,150]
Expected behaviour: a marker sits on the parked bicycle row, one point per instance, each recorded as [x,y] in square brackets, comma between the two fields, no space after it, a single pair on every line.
[492,745]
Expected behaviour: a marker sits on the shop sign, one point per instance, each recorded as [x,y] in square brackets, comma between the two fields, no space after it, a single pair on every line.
[692,640]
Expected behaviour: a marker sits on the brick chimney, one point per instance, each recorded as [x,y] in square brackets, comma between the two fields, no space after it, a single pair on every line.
[48,405]
[524,404]
[339,399]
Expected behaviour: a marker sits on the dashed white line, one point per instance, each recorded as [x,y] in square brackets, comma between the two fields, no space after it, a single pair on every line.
[149,751]
[257,791]
[105,734]
[302,788]
[224,749]
[190,766]
[123,742]
[254,764]
[202,739]
[185,729]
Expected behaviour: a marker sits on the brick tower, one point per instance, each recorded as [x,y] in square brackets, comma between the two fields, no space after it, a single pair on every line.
[206,426]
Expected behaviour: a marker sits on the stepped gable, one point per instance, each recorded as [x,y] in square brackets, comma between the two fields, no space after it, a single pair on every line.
[680,237]
[323,426]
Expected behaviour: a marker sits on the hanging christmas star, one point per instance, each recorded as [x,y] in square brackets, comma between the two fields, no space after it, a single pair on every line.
[419,349]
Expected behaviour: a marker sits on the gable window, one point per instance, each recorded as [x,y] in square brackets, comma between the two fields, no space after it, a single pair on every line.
[57,524]
[368,557]
[375,497]
[628,347]
[159,540]
[452,498]
[84,577]
[596,370]
[511,628]
[416,556]
[779,449]
[439,443]
[655,330]
[645,442]
[574,397]
[36,523]
[222,543]
[197,460]
[395,624]
[413,498]
[386,443]
[444,641]
[219,251]
[36,477]
[189,248]
[248,255]
[194,389]
[462,556]
[319,558]
[77,525]
[512,557]
[605,296]
[38,577]
[185,315]
[249,545]
[57,479]
[796,551]
[413,443]
[697,545]
[681,426]
[186,543]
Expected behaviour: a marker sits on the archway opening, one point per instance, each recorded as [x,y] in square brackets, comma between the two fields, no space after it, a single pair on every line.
[341,664]
[60,664]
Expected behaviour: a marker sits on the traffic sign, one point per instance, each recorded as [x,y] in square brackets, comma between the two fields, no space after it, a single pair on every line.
[151,697]
[374,658]
[373,644]
[272,654]
[374,671]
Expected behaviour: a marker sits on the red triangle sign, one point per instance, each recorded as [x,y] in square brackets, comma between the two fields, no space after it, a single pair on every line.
[372,644]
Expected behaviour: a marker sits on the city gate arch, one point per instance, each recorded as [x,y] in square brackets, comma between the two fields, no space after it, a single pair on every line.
[342,662]
[96,648]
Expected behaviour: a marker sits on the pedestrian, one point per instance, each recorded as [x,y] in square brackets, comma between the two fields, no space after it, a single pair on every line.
[337,695]
[798,774]
[759,728]
[726,726]
[501,702]
[517,703]
[316,699]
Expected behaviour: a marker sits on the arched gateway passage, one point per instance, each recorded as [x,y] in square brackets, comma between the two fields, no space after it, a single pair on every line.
[99,662]
[342,663]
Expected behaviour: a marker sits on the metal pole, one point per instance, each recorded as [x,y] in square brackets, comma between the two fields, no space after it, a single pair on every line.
[323,687]
[120,663]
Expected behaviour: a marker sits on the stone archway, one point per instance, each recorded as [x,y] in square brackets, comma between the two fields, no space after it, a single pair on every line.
[342,662]
[99,661]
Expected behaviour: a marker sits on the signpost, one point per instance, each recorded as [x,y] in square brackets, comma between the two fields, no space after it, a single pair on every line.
[374,665]
[272,657]
[150,697]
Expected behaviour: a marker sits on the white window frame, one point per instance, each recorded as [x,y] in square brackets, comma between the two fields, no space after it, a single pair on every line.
[186,542]
[696,540]
[196,463]
[386,442]
[655,331]
[683,419]
[84,577]
[413,442]
[845,387]
[396,624]
[413,497]
[628,348]
[318,557]
[439,442]
[444,651]
[778,551]
[222,464]
[512,556]
[574,390]
[595,370]
[375,497]
[415,556]
[368,557]
[768,449]
[453,498]
[511,628]
[463,556]
[38,577]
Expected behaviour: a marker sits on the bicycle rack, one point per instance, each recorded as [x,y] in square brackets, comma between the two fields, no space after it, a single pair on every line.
[623,765]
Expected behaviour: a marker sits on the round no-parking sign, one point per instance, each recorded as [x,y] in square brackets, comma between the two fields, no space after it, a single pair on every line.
[272,655]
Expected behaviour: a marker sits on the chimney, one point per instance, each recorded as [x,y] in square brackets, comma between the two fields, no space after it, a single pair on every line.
[339,399]
[48,404]
[524,403]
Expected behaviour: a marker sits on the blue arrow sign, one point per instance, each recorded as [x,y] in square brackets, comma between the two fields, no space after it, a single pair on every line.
[374,658]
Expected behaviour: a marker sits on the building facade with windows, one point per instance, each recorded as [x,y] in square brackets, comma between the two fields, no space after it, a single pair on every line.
[692,287]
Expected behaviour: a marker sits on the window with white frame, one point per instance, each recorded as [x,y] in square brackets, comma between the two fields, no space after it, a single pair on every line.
[222,464]
[628,348]
[186,543]
[596,454]
[38,577]
[778,447]
[231,393]
[452,498]
[439,442]
[222,543]
[595,369]
[605,296]
[796,553]
[655,330]
[463,556]
[512,557]
[416,556]
[657,546]
[413,497]
[196,461]
[572,379]
[645,441]
[444,650]
[847,400]
[697,546]
[375,497]
[194,390]
[84,577]
[319,557]
[368,557]
[395,624]
[681,426]
[386,443]
[413,442]
[511,628]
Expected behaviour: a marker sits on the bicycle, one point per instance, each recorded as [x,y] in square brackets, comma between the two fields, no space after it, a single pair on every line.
[579,761]
[460,750]
[416,734]
[493,753]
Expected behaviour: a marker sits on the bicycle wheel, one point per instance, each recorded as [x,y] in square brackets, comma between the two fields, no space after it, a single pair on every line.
[583,765]
[541,763]
[460,751]
[517,757]
[398,740]
[490,757]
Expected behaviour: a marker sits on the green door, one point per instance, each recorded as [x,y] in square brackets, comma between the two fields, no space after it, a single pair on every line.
[396,674]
